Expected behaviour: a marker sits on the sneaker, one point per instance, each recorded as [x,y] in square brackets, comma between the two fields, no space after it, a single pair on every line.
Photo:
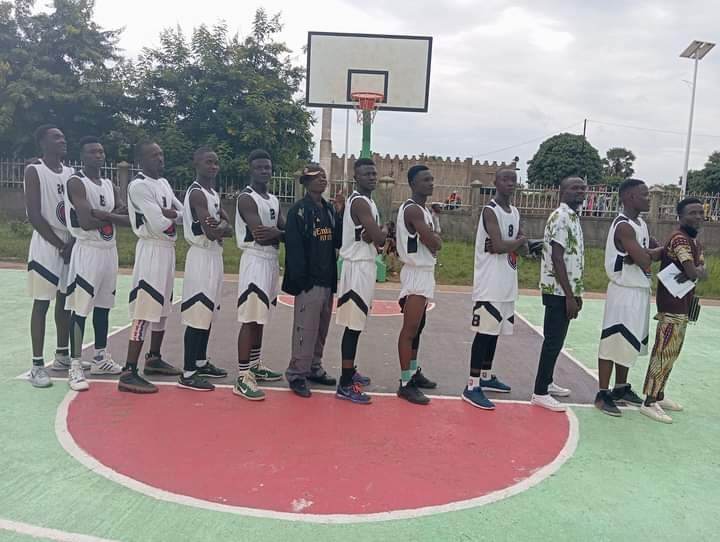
[547,401]
[655,412]
[493,384]
[195,382]
[477,398]
[604,402]
[623,394]
[557,391]
[62,363]
[411,393]
[156,366]
[421,381]
[265,374]
[76,377]
[323,379]
[132,382]
[246,386]
[39,377]
[105,366]
[210,371]
[300,387]
[360,380]
[669,404]
[354,394]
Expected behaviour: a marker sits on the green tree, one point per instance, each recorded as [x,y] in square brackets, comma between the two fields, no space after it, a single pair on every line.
[561,156]
[706,179]
[57,67]
[617,165]
[214,89]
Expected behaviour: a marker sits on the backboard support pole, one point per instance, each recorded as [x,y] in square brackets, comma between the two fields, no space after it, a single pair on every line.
[365,152]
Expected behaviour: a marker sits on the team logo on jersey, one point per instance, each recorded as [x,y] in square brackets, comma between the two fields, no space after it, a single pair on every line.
[512,259]
[107,232]
[170,232]
[60,213]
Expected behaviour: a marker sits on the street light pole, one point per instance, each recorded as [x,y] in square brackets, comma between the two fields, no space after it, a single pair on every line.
[696,50]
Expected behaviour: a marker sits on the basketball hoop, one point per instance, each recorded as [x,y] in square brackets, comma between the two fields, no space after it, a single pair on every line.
[366,101]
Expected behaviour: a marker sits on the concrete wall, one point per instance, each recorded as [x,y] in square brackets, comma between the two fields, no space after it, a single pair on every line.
[12,204]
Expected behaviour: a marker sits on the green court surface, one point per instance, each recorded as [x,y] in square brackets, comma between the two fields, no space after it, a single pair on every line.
[629,478]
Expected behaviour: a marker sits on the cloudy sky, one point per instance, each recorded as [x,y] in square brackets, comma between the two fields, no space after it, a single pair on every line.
[506,75]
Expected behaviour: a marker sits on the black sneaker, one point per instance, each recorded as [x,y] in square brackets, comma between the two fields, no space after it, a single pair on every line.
[323,379]
[210,371]
[624,395]
[132,382]
[154,365]
[421,381]
[195,382]
[412,393]
[604,402]
[300,387]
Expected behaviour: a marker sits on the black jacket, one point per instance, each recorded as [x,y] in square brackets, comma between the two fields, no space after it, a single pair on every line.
[303,249]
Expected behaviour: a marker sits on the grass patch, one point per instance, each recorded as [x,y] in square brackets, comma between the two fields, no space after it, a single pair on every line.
[456,258]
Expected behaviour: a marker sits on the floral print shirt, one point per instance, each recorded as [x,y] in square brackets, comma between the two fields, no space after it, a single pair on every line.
[563,227]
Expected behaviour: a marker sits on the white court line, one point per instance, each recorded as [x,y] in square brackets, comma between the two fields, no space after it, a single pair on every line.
[43,532]
[71,447]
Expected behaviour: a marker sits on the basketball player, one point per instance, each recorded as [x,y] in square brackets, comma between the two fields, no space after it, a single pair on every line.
[154,211]
[93,208]
[361,237]
[417,245]
[627,307]
[495,287]
[259,225]
[206,225]
[50,249]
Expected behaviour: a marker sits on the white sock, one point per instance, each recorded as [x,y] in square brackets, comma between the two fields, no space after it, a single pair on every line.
[486,375]
[188,374]
[473,382]
[201,363]
[99,354]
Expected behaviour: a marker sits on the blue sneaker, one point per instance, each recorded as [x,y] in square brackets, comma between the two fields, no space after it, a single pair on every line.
[494,385]
[354,394]
[361,380]
[477,398]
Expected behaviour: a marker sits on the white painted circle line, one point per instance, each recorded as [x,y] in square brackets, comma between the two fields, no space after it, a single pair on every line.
[71,447]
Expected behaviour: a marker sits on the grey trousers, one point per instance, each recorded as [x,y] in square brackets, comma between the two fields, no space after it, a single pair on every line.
[311,322]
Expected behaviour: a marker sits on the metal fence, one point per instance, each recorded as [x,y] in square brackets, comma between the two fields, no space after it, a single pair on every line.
[12,171]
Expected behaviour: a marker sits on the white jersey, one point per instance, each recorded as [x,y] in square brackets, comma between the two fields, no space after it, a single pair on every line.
[353,247]
[410,249]
[52,197]
[268,211]
[193,231]
[617,270]
[496,274]
[146,199]
[100,197]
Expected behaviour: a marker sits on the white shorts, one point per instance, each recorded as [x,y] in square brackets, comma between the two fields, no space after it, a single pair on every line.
[625,324]
[258,287]
[47,272]
[202,287]
[493,317]
[355,293]
[153,280]
[92,277]
[417,281]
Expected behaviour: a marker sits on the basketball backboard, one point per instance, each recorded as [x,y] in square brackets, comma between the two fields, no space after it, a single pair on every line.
[339,64]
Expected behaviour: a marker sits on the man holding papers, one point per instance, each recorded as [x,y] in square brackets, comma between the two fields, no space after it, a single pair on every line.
[684,253]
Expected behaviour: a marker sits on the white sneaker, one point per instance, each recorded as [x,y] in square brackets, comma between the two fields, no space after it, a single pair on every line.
[557,391]
[548,401]
[76,377]
[655,412]
[62,363]
[39,377]
[105,366]
[669,404]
